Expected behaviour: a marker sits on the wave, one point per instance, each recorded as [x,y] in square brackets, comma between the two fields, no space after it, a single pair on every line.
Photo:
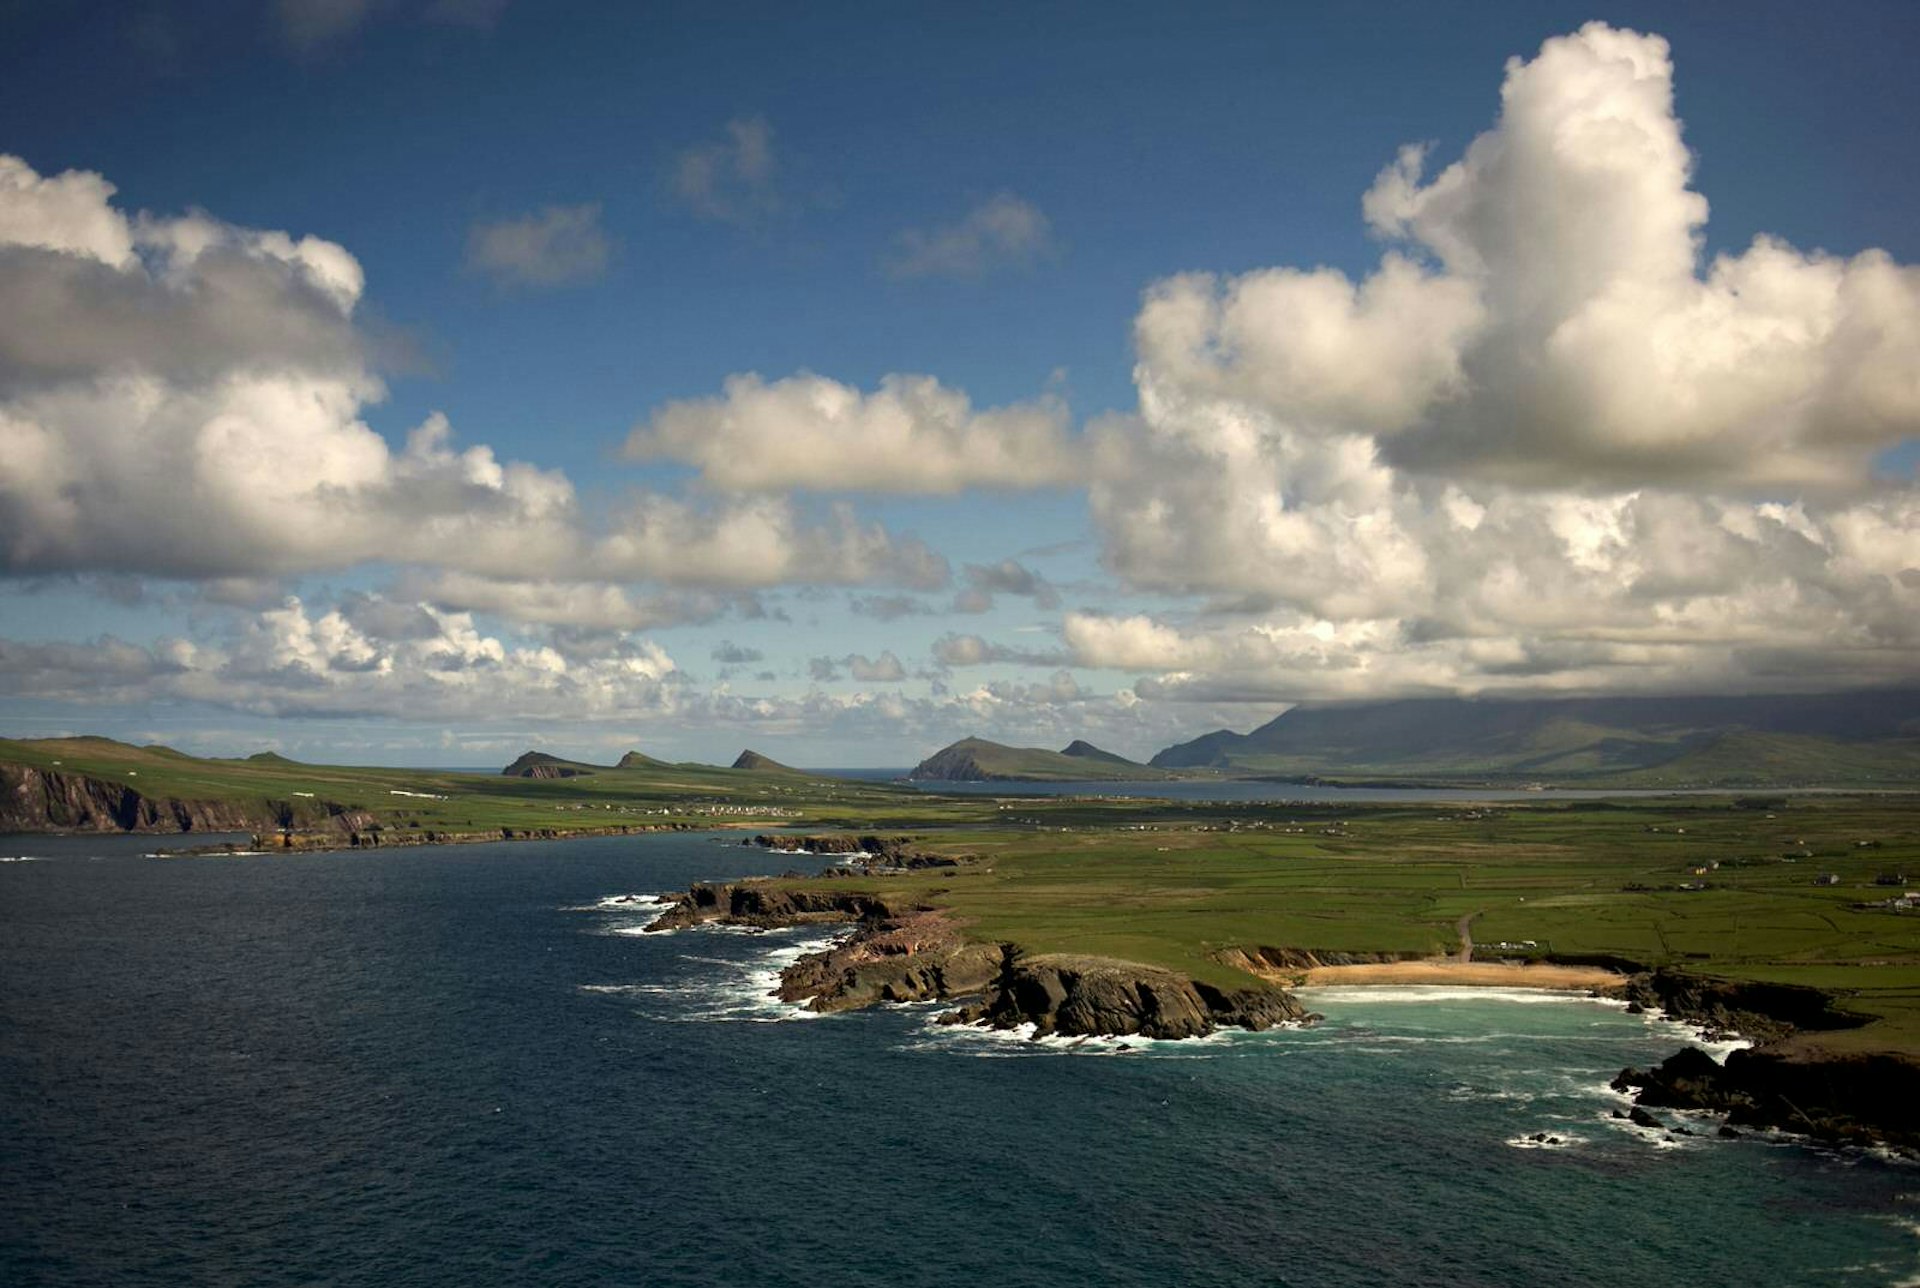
[728,989]
[1554,1140]
[1021,1040]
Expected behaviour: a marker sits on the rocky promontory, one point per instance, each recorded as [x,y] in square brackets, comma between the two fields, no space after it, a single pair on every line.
[1795,1079]
[914,954]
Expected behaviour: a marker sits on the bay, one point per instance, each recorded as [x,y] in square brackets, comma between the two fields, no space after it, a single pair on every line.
[466,1064]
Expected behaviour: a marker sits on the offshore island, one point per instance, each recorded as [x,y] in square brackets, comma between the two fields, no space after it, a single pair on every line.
[1762,893]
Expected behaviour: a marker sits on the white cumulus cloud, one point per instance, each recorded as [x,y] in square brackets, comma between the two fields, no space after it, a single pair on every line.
[1542,446]
[912,434]
[185,398]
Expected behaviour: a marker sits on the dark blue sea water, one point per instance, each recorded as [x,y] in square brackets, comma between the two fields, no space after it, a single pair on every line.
[462,1066]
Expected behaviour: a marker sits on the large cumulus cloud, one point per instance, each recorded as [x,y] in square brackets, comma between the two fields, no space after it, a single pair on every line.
[181,397]
[1542,446]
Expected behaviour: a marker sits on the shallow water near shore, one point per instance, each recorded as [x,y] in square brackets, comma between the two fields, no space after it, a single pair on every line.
[466,1064]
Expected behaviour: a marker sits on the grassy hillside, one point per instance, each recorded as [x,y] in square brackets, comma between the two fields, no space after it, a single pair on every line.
[977,760]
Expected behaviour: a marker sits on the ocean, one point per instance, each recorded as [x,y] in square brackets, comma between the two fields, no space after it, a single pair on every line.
[466,1065]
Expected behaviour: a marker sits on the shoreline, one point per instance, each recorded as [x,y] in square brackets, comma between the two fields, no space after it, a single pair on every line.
[1787,1080]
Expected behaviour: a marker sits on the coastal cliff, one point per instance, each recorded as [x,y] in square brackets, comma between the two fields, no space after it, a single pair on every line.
[42,800]
[1071,996]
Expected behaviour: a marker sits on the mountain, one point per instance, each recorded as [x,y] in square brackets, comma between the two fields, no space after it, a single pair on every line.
[973,760]
[753,760]
[538,764]
[1085,750]
[1865,738]
[639,760]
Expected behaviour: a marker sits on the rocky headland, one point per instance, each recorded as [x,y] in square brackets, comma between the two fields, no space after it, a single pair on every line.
[917,954]
[1795,1079]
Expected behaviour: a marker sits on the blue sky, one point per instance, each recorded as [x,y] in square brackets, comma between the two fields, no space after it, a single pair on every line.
[567,218]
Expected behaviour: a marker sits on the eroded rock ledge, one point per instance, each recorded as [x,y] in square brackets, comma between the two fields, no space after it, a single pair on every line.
[921,954]
[1095,996]
[878,851]
[1793,1080]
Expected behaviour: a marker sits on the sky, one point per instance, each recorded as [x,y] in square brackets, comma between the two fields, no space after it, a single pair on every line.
[419,381]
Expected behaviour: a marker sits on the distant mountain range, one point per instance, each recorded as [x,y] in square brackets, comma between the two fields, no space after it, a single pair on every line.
[538,764]
[973,760]
[1869,738]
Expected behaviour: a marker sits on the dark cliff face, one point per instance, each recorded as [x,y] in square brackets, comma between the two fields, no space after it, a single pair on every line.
[1868,1097]
[1759,1012]
[1791,1081]
[1073,996]
[39,800]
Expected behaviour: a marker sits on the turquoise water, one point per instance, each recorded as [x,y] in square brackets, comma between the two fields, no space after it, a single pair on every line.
[466,1065]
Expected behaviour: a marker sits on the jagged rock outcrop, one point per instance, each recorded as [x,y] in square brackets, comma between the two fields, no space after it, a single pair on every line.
[1796,1085]
[44,800]
[1098,996]
[766,905]
[1793,1080]
[880,851]
[912,957]
[1759,1012]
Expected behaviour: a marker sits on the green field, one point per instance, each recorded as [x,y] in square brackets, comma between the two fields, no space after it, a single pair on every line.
[1582,881]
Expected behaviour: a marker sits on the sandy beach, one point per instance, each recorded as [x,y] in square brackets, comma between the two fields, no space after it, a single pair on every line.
[1466,974]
